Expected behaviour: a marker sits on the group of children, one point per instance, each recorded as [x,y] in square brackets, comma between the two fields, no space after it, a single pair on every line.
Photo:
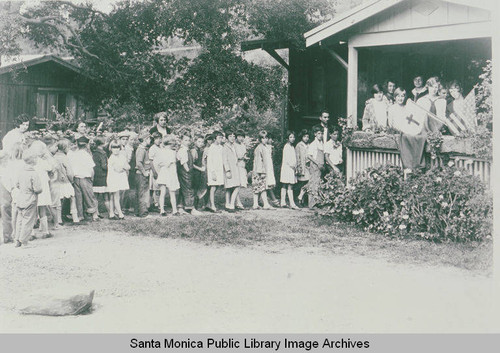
[79,179]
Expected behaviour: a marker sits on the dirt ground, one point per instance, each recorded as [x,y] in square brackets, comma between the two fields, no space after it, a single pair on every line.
[154,285]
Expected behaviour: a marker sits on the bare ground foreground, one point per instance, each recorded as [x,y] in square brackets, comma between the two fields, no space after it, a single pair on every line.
[316,279]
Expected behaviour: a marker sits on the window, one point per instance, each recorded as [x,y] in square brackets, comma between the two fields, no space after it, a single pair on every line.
[50,102]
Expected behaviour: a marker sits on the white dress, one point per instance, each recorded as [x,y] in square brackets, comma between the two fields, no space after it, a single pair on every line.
[215,165]
[241,151]
[43,168]
[165,163]
[288,165]
[117,178]
[268,162]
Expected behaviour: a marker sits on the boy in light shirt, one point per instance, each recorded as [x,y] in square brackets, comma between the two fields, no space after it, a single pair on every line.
[28,187]
[83,168]
[333,150]
[316,158]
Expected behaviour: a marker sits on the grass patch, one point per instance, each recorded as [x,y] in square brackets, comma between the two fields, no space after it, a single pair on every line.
[278,230]
[281,229]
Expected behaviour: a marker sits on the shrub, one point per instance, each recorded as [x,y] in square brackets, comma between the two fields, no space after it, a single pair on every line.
[440,204]
[373,193]
[447,203]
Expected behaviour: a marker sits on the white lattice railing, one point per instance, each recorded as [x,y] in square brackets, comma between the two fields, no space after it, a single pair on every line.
[360,159]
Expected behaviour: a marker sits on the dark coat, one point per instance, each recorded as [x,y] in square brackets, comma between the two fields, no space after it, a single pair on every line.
[100,168]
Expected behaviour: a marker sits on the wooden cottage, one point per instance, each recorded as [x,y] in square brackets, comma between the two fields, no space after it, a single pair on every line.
[380,40]
[394,39]
[39,86]
[397,40]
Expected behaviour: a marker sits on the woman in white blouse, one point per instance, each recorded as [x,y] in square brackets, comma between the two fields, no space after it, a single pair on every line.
[375,114]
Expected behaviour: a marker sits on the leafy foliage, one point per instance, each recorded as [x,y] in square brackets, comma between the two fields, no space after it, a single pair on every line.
[440,204]
[288,20]
[123,51]
[219,80]
[483,138]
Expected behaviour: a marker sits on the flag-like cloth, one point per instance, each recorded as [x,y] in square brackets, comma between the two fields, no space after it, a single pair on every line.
[413,120]
[462,115]
[410,121]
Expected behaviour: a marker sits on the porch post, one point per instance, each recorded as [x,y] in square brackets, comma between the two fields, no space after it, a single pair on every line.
[352,86]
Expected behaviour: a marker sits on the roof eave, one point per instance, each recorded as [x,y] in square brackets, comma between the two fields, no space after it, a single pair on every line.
[347,20]
[41,60]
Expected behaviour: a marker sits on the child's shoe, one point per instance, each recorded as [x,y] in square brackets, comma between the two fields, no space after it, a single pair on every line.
[195,212]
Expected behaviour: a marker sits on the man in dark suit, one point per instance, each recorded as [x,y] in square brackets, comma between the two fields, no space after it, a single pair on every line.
[323,125]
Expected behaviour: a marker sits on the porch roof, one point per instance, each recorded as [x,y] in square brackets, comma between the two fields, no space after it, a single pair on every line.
[369,9]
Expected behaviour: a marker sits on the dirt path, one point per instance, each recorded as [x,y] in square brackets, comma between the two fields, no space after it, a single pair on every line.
[147,284]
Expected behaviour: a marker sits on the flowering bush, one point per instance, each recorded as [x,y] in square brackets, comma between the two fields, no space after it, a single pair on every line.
[373,193]
[440,204]
[447,203]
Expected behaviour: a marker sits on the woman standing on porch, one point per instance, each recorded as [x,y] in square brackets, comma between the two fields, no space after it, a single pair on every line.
[433,103]
[375,114]
[411,141]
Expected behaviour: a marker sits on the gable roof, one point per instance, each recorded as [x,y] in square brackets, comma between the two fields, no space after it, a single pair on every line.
[39,60]
[369,9]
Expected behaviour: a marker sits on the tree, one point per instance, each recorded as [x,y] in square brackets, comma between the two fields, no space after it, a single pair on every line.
[122,52]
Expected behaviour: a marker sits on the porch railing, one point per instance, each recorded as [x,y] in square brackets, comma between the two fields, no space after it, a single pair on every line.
[363,153]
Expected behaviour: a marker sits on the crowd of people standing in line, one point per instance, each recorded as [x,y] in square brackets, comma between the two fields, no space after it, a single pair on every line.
[80,177]
[85,176]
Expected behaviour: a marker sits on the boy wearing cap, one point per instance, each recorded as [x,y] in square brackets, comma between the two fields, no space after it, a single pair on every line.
[143,170]
[83,169]
[124,136]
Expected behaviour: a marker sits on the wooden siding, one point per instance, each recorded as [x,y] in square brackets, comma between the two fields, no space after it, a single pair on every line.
[22,92]
[420,14]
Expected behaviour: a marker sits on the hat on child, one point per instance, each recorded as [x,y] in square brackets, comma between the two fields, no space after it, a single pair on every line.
[123,134]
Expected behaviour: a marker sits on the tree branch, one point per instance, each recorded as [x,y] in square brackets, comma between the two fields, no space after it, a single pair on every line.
[45,21]
[86,8]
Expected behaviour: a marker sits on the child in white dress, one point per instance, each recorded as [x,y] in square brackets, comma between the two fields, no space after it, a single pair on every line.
[45,165]
[288,176]
[62,187]
[165,163]
[215,168]
[117,179]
